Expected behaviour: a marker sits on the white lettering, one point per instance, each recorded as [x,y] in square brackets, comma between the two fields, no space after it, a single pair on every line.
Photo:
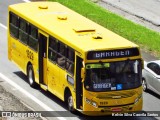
[102,55]
[117,53]
[122,53]
[117,114]
[102,85]
[139,114]
[112,54]
[127,114]
[152,114]
[94,86]
[107,54]
[97,55]
[127,52]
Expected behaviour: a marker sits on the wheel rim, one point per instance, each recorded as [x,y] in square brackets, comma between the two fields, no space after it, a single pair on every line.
[144,85]
[70,102]
[30,76]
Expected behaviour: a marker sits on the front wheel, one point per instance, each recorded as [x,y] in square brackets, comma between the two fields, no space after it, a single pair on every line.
[70,103]
[30,74]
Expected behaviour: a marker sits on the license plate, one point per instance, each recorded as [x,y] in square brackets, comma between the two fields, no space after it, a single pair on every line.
[116,109]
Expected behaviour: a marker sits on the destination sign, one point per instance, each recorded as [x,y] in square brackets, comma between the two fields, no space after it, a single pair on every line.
[109,54]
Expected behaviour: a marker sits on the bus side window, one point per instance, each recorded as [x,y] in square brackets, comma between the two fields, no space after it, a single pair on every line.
[61,55]
[52,51]
[70,60]
[14,25]
[33,37]
[23,31]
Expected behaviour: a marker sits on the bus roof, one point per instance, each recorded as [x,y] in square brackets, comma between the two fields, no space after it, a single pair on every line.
[63,23]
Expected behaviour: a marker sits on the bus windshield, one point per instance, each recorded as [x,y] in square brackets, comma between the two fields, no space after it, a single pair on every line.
[122,75]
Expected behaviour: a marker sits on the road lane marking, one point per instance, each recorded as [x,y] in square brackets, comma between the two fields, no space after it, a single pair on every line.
[26,0]
[28,95]
[3,26]
[25,92]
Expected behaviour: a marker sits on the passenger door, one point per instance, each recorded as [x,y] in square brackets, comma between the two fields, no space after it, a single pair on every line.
[153,76]
[43,42]
[149,74]
[79,84]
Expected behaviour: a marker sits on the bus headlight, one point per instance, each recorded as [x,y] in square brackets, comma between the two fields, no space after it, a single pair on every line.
[88,101]
[91,102]
[137,99]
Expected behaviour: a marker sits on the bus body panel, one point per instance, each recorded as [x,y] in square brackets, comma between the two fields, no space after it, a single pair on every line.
[52,33]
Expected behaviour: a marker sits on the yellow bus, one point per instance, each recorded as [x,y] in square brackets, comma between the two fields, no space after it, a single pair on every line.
[92,69]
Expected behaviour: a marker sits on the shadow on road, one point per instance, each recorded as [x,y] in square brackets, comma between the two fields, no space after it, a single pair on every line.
[21,75]
[153,94]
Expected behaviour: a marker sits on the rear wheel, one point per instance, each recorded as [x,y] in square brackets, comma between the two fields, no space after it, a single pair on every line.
[144,85]
[30,74]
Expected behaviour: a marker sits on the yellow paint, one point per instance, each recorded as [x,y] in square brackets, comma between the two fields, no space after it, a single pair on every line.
[77,32]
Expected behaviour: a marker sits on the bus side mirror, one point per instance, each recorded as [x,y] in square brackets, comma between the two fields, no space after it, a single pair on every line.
[82,73]
[136,66]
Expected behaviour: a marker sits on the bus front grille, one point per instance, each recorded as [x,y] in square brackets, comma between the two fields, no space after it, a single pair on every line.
[116,95]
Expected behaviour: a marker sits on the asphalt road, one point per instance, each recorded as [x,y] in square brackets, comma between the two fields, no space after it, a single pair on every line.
[148,10]
[46,101]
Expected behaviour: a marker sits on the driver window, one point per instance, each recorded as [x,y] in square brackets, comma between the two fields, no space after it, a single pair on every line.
[154,67]
[94,78]
[157,69]
[151,66]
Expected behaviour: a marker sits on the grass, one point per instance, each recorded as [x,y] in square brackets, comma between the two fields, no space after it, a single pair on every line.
[147,39]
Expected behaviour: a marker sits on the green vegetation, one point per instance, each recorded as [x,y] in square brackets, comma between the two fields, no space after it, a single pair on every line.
[146,38]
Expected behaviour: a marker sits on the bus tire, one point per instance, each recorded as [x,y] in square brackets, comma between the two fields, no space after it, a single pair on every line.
[70,103]
[30,75]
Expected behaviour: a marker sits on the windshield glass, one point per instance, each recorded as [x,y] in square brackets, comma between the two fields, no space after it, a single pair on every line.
[113,76]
